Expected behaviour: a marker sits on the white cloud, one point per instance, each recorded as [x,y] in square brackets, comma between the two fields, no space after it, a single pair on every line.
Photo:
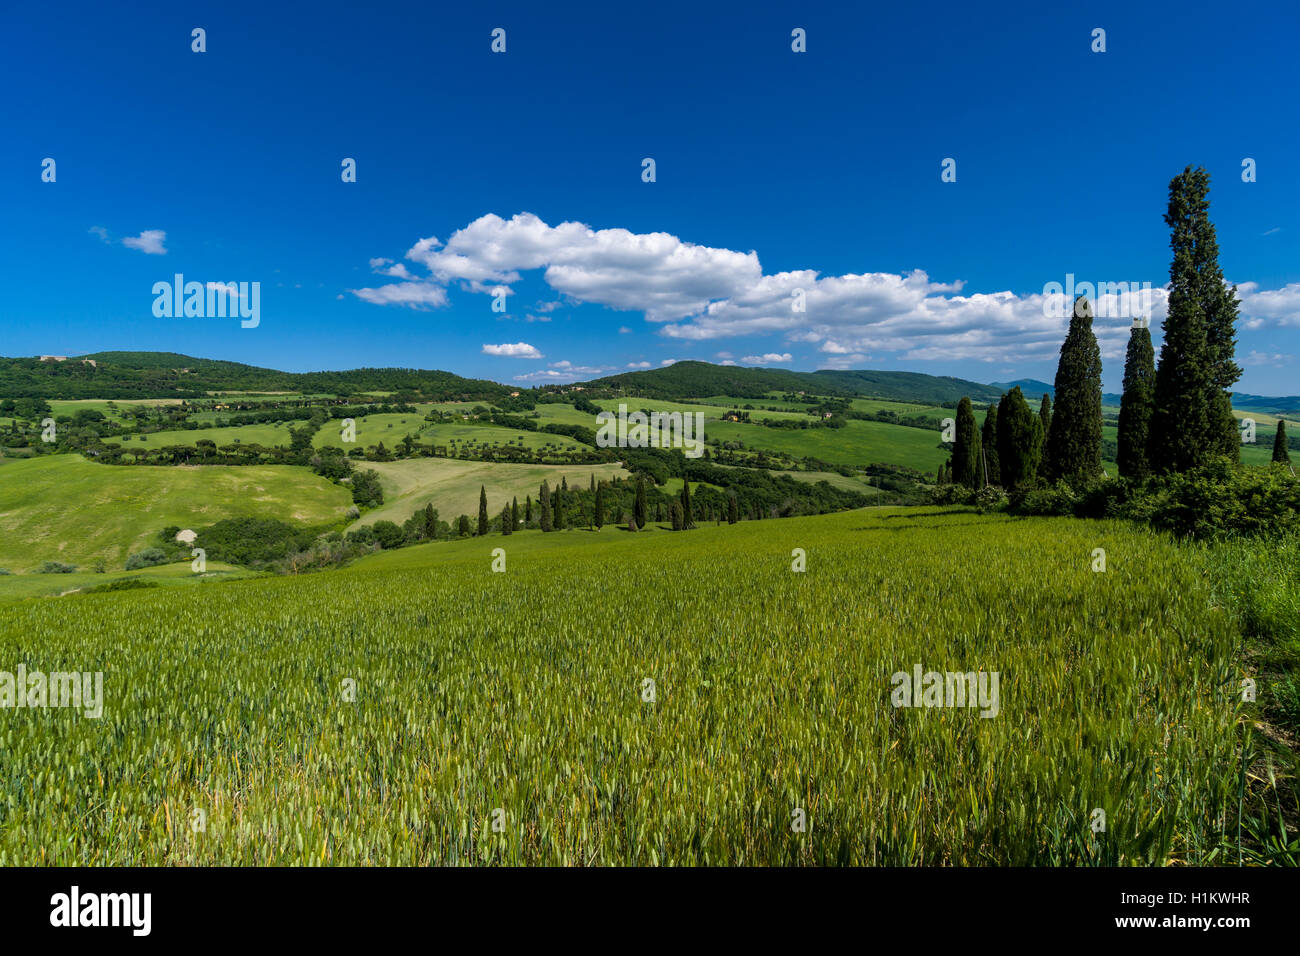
[1268,359]
[699,293]
[513,350]
[638,364]
[414,295]
[666,362]
[150,242]
[768,358]
[101,232]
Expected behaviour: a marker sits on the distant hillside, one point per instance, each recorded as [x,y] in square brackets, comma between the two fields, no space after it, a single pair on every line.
[907,386]
[701,379]
[1032,387]
[128,375]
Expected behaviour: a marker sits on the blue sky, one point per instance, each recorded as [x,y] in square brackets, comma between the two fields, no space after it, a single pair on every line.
[522,170]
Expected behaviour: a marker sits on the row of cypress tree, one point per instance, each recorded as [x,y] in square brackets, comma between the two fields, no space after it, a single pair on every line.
[1173,417]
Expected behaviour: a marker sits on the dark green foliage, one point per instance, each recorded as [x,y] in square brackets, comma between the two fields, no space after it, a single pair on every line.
[56,567]
[599,506]
[1073,450]
[1281,454]
[1020,437]
[1191,422]
[1045,418]
[482,511]
[991,474]
[544,500]
[253,542]
[146,559]
[507,526]
[462,526]
[514,513]
[688,514]
[121,584]
[639,507]
[733,509]
[1136,405]
[366,490]
[966,447]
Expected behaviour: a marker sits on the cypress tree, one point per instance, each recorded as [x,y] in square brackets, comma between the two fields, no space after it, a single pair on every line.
[557,509]
[676,510]
[1020,439]
[1219,305]
[688,519]
[482,511]
[966,449]
[528,509]
[591,522]
[1135,405]
[1045,418]
[462,525]
[733,509]
[514,513]
[1074,441]
[599,507]
[1188,424]
[638,505]
[544,501]
[989,447]
[506,523]
[1281,453]
[430,522]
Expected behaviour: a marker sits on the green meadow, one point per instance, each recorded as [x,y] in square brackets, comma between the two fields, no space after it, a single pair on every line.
[65,508]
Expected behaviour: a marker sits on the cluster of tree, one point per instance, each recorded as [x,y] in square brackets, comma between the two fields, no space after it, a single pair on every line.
[1178,415]
[1173,418]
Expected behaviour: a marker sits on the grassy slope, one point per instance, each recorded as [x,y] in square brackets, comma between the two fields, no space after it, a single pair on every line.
[522,691]
[452,486]
[65,508]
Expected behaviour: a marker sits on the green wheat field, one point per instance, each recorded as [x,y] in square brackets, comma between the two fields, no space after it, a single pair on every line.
[420,708]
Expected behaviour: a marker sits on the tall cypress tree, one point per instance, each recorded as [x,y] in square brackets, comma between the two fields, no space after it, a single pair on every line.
[1045,418]
[1135,405]
[688,519]
[557,509]
[989,446]
[1219,305]
[638,505]
[544,502]
[1074,439]
[1281,453]
[1187,418]
[1020,440]
[482,511]
[528,509]
[507,526]
[514,514]
[599,507]
[733,509]
[966,448]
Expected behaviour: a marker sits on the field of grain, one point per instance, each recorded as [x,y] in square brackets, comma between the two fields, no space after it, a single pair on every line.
[664,698]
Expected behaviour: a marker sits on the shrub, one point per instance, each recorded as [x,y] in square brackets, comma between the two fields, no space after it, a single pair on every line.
[147,558]
[56,567]
[121,584]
